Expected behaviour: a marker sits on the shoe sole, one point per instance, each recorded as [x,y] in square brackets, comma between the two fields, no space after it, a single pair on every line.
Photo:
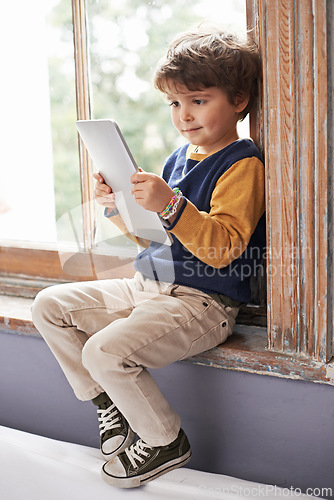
[129,440]
[135,481]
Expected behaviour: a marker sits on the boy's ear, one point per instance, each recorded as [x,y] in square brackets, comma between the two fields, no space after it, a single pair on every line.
[240,102]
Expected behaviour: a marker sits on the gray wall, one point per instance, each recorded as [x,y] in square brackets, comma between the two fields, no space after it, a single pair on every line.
[254,427]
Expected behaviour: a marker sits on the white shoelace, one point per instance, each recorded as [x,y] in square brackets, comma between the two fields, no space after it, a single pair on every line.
[135,451]
[108,418]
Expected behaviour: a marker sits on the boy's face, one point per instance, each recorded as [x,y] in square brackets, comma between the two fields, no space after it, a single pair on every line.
[206,118]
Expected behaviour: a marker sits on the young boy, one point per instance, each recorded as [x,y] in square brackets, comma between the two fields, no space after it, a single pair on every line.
[107,334]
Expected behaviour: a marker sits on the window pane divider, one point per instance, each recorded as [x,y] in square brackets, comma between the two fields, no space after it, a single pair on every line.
[83,113]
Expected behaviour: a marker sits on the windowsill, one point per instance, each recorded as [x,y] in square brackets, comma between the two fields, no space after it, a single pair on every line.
[15,316]
[246,350]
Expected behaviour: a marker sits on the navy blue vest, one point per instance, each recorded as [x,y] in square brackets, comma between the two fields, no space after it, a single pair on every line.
[176,264]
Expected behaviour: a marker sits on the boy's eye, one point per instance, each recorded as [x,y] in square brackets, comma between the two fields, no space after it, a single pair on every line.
[198,101]
[174,104]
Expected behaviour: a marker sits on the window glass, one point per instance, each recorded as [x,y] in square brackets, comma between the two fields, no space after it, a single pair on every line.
[125,40]
[39,173]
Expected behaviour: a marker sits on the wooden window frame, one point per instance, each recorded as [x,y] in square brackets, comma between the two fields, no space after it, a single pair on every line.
[293,126]
[296,42]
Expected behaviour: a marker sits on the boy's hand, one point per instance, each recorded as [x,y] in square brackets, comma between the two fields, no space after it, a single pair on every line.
[151,191]
[103,193]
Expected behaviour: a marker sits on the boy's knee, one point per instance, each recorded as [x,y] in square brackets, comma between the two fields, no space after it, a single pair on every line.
[91,353]
[95,356]
[41,305]
[46,306]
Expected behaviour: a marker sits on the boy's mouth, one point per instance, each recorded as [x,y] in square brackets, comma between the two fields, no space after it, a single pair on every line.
[189,130]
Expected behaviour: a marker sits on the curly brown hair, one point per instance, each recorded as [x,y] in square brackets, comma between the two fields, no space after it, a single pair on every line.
[210,57]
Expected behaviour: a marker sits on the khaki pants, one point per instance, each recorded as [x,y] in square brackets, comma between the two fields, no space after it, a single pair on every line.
[105,334]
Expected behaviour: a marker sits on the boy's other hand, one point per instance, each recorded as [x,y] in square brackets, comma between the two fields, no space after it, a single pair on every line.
[151,191]
[103,193]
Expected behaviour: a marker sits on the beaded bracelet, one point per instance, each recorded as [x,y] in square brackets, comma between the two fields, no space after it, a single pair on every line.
[172,205]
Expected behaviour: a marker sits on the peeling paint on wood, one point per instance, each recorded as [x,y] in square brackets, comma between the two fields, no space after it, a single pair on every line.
[246,350]
[295,123]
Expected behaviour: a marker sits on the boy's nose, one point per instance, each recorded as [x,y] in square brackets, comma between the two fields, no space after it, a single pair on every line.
[185,115]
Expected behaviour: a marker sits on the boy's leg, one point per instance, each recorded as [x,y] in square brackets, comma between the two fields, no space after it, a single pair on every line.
[67,315]
[105,334]
[176,324]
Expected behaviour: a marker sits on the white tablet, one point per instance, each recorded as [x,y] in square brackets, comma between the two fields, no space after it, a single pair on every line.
[113,159]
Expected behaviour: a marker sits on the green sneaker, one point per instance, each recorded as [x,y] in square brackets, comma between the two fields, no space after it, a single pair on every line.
[115,432]
[141,463]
